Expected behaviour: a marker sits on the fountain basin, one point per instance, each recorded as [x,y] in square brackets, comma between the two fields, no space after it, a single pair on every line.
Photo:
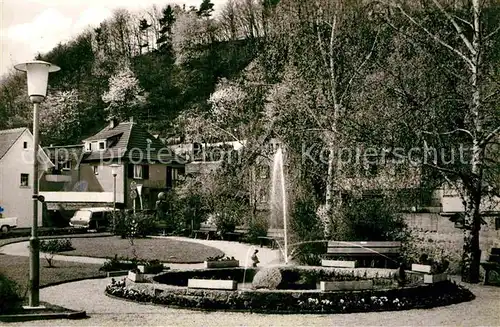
[297,293]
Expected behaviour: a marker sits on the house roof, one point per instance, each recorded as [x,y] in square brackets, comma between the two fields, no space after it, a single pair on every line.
[133,143]
[8,138]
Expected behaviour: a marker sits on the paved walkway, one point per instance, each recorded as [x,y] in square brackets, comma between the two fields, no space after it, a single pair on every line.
[103,311]
[89,295]
[240,251]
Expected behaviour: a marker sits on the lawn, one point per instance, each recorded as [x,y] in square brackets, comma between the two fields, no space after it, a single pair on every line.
[17,269]
[165,250]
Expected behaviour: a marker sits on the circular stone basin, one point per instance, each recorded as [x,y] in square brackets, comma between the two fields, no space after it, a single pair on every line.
[298,291]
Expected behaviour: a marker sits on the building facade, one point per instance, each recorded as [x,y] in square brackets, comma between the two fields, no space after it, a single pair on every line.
[83,174]
[16,175]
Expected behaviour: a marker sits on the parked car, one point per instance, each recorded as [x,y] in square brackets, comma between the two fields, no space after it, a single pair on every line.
[92,218]
[7,224]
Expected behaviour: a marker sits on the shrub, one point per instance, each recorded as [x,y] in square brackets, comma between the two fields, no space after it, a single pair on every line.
[307,229]
[268,278]
[115,264]
[51,247]
[436,246]
[372,219]
[9,294]
[152,266]
[139,224]
[258,227]
[428,296]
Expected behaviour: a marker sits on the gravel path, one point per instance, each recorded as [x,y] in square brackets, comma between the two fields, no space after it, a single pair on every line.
[89,295]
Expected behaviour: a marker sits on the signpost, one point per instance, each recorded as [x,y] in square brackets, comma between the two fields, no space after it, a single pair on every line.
[139,191]
[133,196]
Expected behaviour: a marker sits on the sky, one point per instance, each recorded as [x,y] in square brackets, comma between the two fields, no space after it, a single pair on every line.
[31,26]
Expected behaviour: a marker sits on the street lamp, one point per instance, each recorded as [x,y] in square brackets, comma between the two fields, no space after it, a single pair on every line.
[114,172]
[37,78]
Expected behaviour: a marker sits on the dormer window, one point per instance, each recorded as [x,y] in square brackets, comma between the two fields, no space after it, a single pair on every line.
[88,146]
[102,145]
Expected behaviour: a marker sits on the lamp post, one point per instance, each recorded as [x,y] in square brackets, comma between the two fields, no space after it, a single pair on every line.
[37,78]
[114,172]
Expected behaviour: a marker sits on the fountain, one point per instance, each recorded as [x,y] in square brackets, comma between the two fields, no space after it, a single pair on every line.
[278,204]
[295,290]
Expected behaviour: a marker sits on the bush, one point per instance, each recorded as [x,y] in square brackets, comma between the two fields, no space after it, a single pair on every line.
[268,278]
[434,295]
[139,224]
[307,229]
[9,294]
[436,246]
[152,266]
[372,219]
[51,247]
[116,264]
[258,227]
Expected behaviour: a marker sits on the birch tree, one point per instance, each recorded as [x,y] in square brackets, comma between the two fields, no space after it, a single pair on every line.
[470,37]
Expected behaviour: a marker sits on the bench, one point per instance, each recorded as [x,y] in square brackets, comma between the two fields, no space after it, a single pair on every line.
[493,263]
[209,230]
[237,235]
[368,254]
[273,237]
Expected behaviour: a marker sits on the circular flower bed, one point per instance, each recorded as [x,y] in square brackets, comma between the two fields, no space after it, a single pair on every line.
[303,299]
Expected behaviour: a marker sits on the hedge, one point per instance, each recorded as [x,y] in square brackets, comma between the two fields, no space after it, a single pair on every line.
[278,301]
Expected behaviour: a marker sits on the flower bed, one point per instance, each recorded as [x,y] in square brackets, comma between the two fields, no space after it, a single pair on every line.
[268,301]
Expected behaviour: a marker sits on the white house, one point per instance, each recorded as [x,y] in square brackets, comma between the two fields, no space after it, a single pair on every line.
[16,175]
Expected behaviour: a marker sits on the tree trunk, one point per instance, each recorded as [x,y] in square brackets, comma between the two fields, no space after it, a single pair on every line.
[472,254]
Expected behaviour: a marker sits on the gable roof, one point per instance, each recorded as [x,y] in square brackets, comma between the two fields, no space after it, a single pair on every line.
[132,144]
[8,138]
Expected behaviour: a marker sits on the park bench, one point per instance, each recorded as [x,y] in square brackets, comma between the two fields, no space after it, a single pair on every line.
[493,263]
[368,254]
[236,235]
[209,231]
[273,237]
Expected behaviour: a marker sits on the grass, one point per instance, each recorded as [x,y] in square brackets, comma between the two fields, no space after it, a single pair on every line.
[17,269]
[165,250]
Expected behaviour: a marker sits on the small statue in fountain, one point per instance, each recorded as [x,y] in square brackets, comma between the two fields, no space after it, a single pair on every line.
[255,259]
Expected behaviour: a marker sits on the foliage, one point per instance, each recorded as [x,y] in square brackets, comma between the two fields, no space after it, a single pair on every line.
[221,258]
[371,219]
[258,227]
[269,301]
[51,247]
[307,228]
[125,97]
[116,264]
[130,225]
[9,294]
[268,278]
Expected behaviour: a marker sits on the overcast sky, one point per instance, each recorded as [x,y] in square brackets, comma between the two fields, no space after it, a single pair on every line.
[31,26]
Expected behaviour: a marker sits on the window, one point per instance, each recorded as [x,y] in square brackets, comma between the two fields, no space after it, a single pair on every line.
[96,170]
[88,146]
[25,145]
[66,165]
[25,180]
[138,171]
[102,145]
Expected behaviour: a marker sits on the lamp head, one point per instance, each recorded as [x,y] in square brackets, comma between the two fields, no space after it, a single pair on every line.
[37,75]
[114,169]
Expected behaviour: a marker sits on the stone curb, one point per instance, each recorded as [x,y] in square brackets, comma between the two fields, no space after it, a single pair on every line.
[43,316]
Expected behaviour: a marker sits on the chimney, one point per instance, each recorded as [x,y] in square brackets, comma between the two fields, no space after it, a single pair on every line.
[131,119]
[113,122]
